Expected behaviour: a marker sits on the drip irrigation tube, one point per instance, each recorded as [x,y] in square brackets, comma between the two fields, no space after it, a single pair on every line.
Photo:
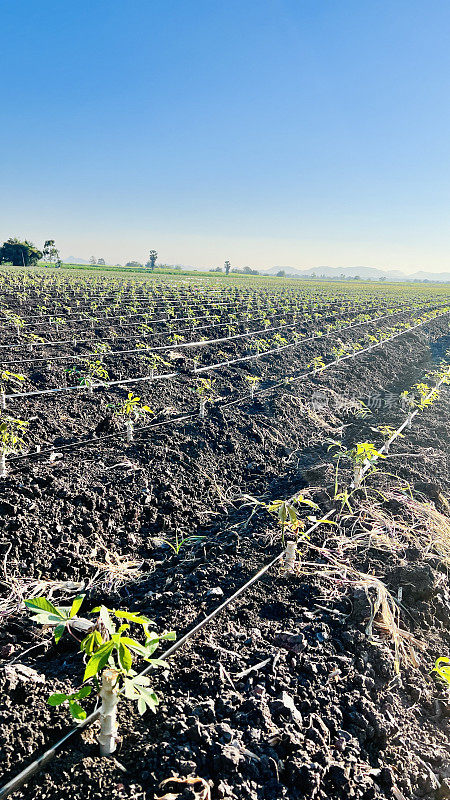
[405,424]
[144,334]
[20,779]
[186,345]
[193,416]
[36,765]
[207,368]
[86,315]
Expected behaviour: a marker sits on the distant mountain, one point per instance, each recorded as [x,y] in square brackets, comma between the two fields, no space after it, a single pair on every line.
[430,276]
[368,273]
[331,272]
[75,260]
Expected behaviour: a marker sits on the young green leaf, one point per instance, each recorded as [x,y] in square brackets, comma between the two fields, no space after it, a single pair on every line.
[58,632]
[157,662]
[442,668]
[129,689]
[91,642]
[142,706]
[132,617]
[76,605]
[135,646]
[39,604]
[148,697]
[76,710]
[125,657]
[83,692]
[98,660]
[57,698]
[105,619]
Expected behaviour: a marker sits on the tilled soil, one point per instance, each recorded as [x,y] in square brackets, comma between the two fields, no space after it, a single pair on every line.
[284,695]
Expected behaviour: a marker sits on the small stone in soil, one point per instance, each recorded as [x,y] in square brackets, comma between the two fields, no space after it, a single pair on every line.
[215,592]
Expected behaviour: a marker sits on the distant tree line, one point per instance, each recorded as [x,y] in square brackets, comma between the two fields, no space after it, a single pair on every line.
[227,268]
[150,264]
[25,254]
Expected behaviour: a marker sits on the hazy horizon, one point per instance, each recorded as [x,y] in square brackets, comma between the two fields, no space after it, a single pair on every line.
[263,133]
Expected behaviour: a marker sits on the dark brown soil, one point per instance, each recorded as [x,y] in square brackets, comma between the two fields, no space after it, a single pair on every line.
[325,714]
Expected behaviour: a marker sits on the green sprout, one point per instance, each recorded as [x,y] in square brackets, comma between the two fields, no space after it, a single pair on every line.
[442,668]
[86,376]
[108,652]
[8,378]
[11,439]
[317,365]
[205,391]
[178,543]
[387,431]
[361,455]
[286,511]
[253,381]
[132,408]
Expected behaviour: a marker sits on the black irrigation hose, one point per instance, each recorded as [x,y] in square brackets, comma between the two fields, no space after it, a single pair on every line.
[109,436]
[79,388]
[144,335]
[36,765]
[207,368]
[170,320]
[193,416]
[86,316]
[185,345]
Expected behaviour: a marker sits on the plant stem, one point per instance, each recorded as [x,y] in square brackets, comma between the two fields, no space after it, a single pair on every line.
[107,737]
[289,555]
[129,429]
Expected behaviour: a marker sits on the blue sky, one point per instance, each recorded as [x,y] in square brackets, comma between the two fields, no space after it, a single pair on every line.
[292,132]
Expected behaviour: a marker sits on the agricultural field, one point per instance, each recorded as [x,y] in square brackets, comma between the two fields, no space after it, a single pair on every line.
[168,442]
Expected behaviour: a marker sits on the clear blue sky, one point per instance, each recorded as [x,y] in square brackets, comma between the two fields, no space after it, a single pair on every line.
[292,132]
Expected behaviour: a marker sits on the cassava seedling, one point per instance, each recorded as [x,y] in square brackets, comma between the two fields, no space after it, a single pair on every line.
[387,431]
[131,410]
[17,321]
[286,512]
[57,321]
[253,381]
[94,369]
[11,439]
[100,348]
[317,365]
[108,656]
[361,455]
[5,379]
[442,668]
[176,338]
[205,391]
[409,401]
[280,340]
[426,394]
[156,361]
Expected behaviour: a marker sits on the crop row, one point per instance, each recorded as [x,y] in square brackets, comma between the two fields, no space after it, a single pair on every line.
[123,684]
[95,370]
[131,410]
